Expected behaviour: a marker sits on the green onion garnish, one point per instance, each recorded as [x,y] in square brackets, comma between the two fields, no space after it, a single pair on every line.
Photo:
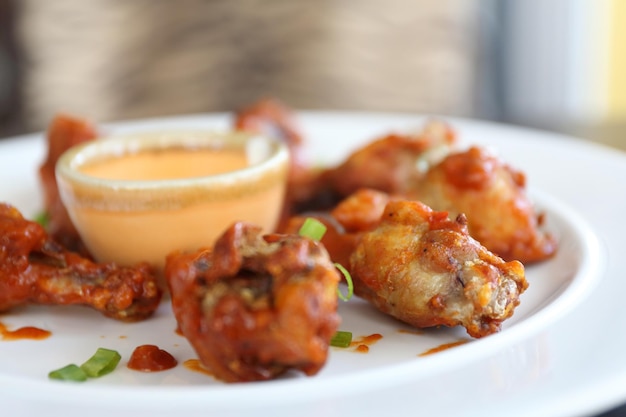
[43,218]
[101,363]
[313,229]
[348,278]
[341,339]
[69,373]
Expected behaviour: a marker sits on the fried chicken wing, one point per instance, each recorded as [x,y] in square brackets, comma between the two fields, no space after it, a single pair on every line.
[35,269]
[255,306]
[64,132]
[393,163]
[425,269]
[492,196]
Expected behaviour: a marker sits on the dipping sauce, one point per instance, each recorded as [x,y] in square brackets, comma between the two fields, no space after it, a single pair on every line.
[141,197]
[174,163]
[443,347]
[362,344]
[150,358]
[28,332]
[196,366]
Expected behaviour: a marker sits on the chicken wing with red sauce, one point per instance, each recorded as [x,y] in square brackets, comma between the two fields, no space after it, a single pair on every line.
[424,269]
[492,196]
[63,133]
[255,306]
[393,163]
[34,269]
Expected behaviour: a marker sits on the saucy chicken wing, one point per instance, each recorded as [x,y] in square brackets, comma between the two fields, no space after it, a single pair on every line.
[394,163]
[492,196]
[424,269]
[255,306]
[63,133]
[35,269]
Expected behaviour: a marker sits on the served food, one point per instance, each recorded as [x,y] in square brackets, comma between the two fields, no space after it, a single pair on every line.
[64,132]
[255,306]
[35,269]
[138,197]
[423,268]
[431,235]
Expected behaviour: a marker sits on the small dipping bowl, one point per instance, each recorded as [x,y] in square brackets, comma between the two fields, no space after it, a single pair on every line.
[139,197]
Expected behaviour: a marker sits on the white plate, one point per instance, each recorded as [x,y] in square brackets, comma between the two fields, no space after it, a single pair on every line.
[563,352]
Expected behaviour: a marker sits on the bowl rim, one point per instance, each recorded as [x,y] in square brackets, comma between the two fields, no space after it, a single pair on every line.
[115,145]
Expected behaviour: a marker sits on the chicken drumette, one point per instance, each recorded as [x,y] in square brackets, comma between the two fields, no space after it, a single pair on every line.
[255,306]
[424,269]
[34,269]
[492,195]
[64,132]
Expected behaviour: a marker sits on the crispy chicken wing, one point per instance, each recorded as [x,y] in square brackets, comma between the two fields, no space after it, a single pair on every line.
[255,306]
[492,196]
[425,269]
[36,269]
[393,163]
[64,132]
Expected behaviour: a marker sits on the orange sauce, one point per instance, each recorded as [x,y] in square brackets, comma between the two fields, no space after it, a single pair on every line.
[363,343]
[196,366]
[150,358]
[443,347]
[172,163]
[412,331]
[28,332]
[132,229]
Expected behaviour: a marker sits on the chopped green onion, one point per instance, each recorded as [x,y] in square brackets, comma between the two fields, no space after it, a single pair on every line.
[69,373]
[313,229]
[341,339]
[101,363]
[43,218]
[348,278]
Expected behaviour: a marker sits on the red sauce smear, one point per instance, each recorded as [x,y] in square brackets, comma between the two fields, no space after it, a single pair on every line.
[443,347]
[196,366]
[362,344]
[28,332]
[150,358]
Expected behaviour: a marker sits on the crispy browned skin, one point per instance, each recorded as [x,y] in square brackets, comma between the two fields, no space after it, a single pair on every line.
[393,163]
[63,132]
[256,306]
[34,269]
[425,269]
[425,167]
[492,195]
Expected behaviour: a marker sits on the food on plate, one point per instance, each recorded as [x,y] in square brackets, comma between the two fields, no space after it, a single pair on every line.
[254,305]
[136,197]
[418,265]
[63,132]
[428,167]
[35,269]
[425,269]
[492,195]
[393,163]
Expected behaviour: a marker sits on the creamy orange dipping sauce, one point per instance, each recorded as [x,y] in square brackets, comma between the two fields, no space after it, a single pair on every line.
[163,194]
[175,163]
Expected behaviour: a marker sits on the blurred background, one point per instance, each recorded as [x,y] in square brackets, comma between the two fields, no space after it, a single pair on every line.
[557,65]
